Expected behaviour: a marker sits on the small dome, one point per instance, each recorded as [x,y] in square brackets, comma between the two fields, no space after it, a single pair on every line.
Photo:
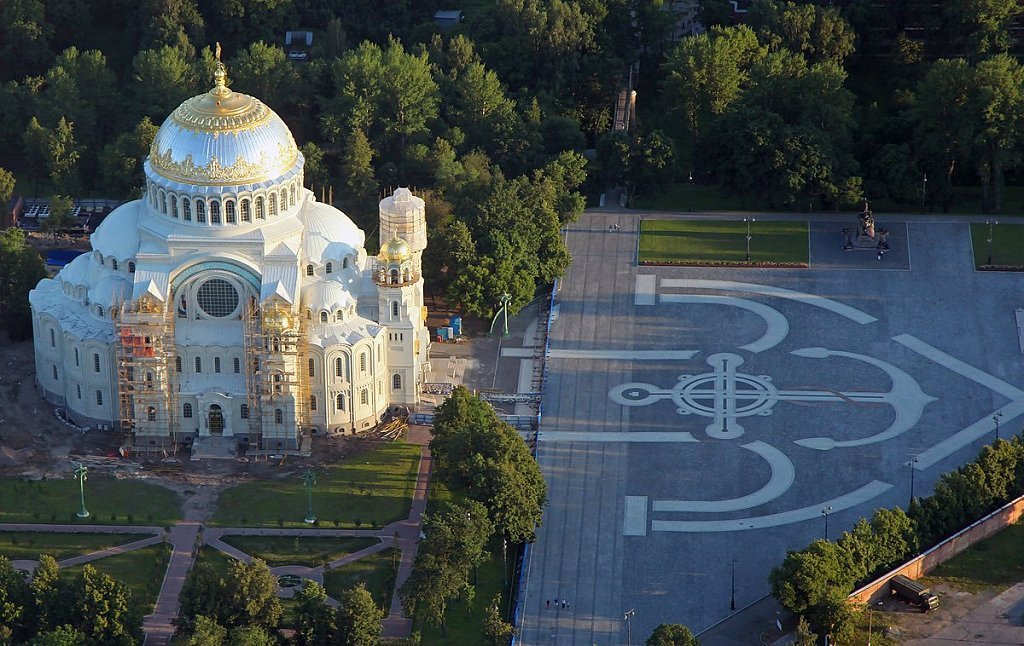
[327,295]
[396,249]
[118,234]
[328,234]
[223,138]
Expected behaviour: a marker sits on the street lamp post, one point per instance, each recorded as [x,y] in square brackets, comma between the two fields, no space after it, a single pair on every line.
[629,626]
[825,512]
[991,229]
[505,299]
[995,418]
[80,472]
[732,600]
[748,221]
[309,479]
[913,467]
[871,616]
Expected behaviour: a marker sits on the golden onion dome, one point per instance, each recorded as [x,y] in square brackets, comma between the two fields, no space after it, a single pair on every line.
[396,249]
[223,138]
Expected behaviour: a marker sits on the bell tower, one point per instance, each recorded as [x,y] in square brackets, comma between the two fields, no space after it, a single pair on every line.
[399,278]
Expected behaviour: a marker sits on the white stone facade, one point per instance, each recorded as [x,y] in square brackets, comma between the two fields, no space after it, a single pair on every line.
[209,238]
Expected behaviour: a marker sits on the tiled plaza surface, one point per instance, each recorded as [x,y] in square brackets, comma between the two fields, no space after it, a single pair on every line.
[697,415]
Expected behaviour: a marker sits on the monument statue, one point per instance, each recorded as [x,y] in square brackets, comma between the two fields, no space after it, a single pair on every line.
[866,236]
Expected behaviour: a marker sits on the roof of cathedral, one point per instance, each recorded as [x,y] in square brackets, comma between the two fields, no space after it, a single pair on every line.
[118,234]
[223,138]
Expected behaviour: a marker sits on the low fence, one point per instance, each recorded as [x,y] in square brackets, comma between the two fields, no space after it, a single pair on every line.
[920,565]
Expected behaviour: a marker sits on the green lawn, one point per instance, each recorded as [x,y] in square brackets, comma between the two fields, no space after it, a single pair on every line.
[311,551]
[464,623]
[217,560]
[29,545]
[371,489]
[996,561]
[696,242]
[141,570]
[110,501]
[1007,244]
[377,571]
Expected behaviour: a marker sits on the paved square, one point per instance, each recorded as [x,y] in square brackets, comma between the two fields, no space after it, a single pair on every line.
[729,407]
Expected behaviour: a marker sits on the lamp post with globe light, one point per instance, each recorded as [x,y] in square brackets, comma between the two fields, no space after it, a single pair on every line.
[80,472]
[309,479]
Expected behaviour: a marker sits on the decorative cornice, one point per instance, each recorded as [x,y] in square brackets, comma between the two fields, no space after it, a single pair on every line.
[241,171]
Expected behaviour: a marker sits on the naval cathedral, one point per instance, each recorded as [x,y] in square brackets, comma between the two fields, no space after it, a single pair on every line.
[228,301]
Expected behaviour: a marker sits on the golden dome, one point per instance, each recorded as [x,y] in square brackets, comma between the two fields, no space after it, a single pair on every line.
[223,138]
[396,249]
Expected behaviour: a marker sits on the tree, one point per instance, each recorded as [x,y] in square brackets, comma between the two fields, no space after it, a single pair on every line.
[21,268]
[981,26]
[251,636]
[251,594]
[24,38]
[496,629]
[102,609]
[432,584]
[819,33]
[61,636]
[361,190]
[639,163]
[14,596]
[206,632]
[121,161]
[63,154]
[45,589]
[162,79]
[805,578]
[315,170]
[6,192]
[81,88]
[672,635]
[358,618]
[803,634]
[264,71]
[315,621]
[60,217]
[1000,86]
[388,93]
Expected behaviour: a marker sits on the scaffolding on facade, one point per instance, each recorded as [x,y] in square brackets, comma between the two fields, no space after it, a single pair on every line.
[146,376]
[276,352]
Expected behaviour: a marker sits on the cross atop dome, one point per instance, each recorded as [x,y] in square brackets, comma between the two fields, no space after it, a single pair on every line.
[220,76]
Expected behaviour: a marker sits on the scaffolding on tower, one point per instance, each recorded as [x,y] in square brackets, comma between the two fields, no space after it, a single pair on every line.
[276,351]
[146,377]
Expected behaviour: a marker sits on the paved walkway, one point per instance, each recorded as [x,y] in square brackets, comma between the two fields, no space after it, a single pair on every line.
[188,534]
[997,621]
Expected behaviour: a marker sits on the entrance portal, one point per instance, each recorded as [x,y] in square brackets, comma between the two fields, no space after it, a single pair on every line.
[216,420]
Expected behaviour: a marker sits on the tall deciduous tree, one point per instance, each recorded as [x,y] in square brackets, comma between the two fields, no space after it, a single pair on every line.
[162,79]
[360,190]
[60,218]
[496,629]
[21,268]
[358,618]
[315,621]
[1000,85]
[121,161]
[102,609]
[264,71]
[819,33]
[24,38]
[672,635]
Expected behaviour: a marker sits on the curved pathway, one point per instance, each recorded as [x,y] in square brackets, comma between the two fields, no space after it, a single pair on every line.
[188,534]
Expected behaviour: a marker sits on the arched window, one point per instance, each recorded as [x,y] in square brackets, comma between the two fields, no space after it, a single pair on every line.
[337,367]
[215,212]
[323,317]
[55,377]
[95,362]
[312,402]
[364,398]
[337,315]
[151,414]
[78,390]
[99,397]
[329,268]
[200,211]
[273,204]
[237,365]
[113,264]
[177,364]
[186,411]
[99,311]
[394,277]
[216,364]
[76,357]
[186,210]
[278,416]
[362,362]
[344,263]
[277,383]
[309,270]
[149,379]
[339,402]
[259,208]
[309,315]
[246,211]
[131,267]
[53,338]
[174,207]
[312,367]
[396,382]
[229,211]
[199,364]
[291,198]
[162,201]
[243,412]
[394,308]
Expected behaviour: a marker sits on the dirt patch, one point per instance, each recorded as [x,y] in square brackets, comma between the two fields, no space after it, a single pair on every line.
[906,622]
